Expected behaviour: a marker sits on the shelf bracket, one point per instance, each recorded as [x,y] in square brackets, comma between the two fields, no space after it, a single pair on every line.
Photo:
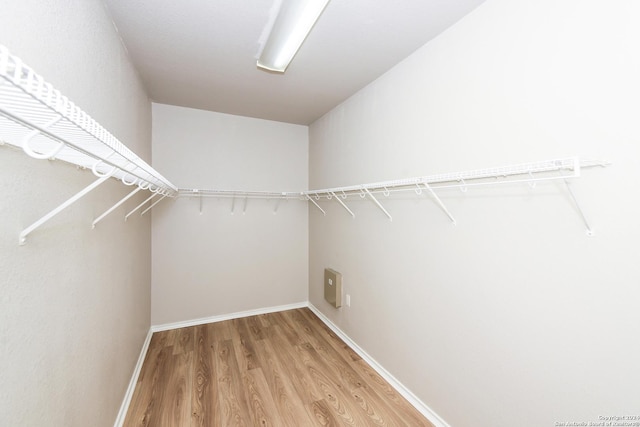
[69,202]
[439,202]
[233,204]
[317,205]
[139,206]
[244,206]
[342,203]
[127,197]
[576,172]
[589,232]
[199,194]
[275,209]
[153,204]
[378,203]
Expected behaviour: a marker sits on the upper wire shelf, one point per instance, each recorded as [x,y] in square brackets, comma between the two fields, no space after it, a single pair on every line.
[47,125]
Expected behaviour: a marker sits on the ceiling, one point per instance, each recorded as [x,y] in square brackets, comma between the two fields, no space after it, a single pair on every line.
[202,53]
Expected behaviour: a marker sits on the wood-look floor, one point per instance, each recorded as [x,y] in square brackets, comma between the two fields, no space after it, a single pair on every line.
[279,369]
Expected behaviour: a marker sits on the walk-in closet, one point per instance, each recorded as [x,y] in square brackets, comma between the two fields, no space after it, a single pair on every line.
[319,212]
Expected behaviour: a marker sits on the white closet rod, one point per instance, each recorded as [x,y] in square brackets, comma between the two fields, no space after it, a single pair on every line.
[42,122]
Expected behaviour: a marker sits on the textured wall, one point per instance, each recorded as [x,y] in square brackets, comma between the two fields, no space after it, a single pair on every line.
[514,316]
[216,263]
[75,302]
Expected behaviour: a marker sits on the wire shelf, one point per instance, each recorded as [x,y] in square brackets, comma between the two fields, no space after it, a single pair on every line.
[47,125]
[531,173]
[525,172]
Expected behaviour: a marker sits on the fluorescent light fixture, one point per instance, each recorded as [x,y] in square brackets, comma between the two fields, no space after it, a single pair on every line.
[293,22]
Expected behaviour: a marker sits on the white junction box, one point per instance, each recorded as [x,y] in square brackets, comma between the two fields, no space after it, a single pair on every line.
[333,287]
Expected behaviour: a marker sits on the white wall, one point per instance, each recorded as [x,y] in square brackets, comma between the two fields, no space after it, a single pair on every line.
[74,302]
[514,316]
[216,263]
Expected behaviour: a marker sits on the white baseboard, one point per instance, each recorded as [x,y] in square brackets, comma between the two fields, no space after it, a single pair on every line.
[434,418]
[132,384]
[229,316]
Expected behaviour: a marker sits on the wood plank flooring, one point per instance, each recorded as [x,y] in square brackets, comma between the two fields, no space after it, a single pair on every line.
[278,369]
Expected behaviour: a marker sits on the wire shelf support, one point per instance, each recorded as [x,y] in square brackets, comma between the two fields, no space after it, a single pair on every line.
[46,125]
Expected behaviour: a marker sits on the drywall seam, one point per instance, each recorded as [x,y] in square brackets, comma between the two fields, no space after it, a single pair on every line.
[434,418]
[134,379]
